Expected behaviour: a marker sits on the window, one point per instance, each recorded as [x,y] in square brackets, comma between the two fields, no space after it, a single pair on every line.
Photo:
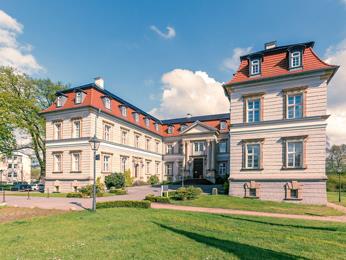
[137,141]
[147,144]
[124,137]
[78,98]
[147,122]
[75,162]
[183,127]
[170,129]
[57,164]
[255,67]
[123,110]
[294,154]
[252,156]
[76,128]
[180,169]
[59,101]
[169,149]
[123,160]
[294,106]
[252,192]
[169,169]
[223,125]
[181,147]
[58,130]
[107,102]
[136,117]
[253,110]
[222,168]
[199,146]
[296,59]
[107,132]
[293,191]
[223,147]
[157,168]
[157,127]
[294,194]
[106,163]
[157,146]
[147,168]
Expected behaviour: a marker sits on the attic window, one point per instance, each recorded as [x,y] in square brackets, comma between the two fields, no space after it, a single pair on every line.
[183,127]
[107,102]
[156,127]
[59,101]
[295,59]
[147,122]
[123,110]
[223,125]
[170,129]
[255,67]
[78,98]
[136,117]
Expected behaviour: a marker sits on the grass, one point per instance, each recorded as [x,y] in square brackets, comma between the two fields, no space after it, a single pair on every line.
[39,194]
[334,197]
[228,202]
[125,233]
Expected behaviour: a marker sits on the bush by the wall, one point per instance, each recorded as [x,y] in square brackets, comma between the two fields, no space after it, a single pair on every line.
[115,179]
[88,189]
[159,199]
[74,195]
[124,204]
[117,191]
[154,179]
[188,193]
[226,187]
[128,178]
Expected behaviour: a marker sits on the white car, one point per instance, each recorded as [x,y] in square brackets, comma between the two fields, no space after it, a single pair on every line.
[35,186]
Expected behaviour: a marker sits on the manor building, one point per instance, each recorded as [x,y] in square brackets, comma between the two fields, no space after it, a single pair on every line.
[271,145]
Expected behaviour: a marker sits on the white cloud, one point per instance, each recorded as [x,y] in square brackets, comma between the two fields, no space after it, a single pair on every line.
[185,91]
[336,130]
[232,63]
[12,52]
[170,34]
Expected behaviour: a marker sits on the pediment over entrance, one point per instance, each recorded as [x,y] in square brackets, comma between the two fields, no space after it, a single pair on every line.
[198,128]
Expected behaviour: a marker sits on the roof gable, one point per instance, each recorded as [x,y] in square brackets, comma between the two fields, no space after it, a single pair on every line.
[198,128]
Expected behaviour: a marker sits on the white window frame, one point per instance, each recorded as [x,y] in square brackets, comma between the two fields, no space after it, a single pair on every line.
[137,141]
[224,142]
[147,143]
[295,106]
[147,122]
[58,130]
[124,136]
[157,128]
[77,131]
[170,149]
[222,168]
[157,167]
[147,167]
[170,129]
[199,146]
[75,160]
[57,162]
[136,117]
[106,162]
[293,153]
[59,101]
[107,130]
[253,110]
[78,98]
[169,169]
[296,59]
[123,163]
[123,110]
[157,144]
[107,102]
[223,125]
[253,155]
[255,67]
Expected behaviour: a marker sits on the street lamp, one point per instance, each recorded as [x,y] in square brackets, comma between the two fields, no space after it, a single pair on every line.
[339,170]
[95,144]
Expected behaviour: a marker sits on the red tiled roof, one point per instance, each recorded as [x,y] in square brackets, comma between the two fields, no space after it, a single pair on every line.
[275,64]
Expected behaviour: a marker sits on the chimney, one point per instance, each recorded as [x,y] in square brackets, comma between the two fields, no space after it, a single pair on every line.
[188,115]
[270,45]
[99,82]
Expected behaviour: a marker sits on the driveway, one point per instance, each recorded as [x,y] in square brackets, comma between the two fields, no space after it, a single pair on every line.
[134,193]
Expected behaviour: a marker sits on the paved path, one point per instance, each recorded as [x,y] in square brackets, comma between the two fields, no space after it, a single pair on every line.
[247,213]
[134,193]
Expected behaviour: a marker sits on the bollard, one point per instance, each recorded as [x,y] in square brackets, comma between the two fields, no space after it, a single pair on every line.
[214,191]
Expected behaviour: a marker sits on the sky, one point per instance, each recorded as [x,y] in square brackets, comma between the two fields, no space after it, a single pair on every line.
[168,57]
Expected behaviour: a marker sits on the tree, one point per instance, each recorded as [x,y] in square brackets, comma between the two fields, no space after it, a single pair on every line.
[22,99]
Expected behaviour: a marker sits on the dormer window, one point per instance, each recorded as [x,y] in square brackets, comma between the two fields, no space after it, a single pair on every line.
[295,59]
[223,125]
[157,127]
[78,98]
[170,129]
[183,127]
[59,101]
[255,67]
[136,117]
[147,122]
[107,102]
[123,110]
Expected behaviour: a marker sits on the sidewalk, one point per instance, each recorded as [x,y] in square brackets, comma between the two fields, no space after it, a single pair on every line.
[247,213]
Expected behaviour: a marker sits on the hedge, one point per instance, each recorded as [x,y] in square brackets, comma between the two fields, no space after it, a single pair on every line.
[158,199]
[124,204]
[74,195]
[118,191]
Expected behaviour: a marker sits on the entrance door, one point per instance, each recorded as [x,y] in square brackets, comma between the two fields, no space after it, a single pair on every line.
[198,168]
[136,170]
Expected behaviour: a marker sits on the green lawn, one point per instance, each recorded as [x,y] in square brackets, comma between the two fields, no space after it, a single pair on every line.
[334,197]
[228,202]
[122,233]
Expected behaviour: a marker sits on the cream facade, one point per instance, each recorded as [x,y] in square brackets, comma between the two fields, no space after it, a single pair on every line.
[16,168]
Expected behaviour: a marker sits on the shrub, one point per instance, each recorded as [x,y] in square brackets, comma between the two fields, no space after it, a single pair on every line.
[74,195]
[139,183]
[159,199]
[333,182]
[188,193]
[128,178]
[88,189]
[124,203]
[117,191]
[153,180]
[115,179]
[226,187]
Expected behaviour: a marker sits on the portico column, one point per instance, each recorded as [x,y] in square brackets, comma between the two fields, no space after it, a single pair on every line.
[208,155]
[212,155]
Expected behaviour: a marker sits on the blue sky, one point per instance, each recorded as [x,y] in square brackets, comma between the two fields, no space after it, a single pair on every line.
[74,41]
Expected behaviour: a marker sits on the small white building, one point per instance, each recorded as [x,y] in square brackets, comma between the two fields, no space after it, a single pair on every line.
[16,168]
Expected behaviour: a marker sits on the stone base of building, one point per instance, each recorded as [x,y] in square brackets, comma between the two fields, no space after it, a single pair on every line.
[298,191]
[65,186]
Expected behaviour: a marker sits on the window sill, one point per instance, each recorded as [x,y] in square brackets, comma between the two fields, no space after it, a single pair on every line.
[251,170]
[75,171]
[106,172]
[250,197]
[294,169]
[57,172]
[293,199]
